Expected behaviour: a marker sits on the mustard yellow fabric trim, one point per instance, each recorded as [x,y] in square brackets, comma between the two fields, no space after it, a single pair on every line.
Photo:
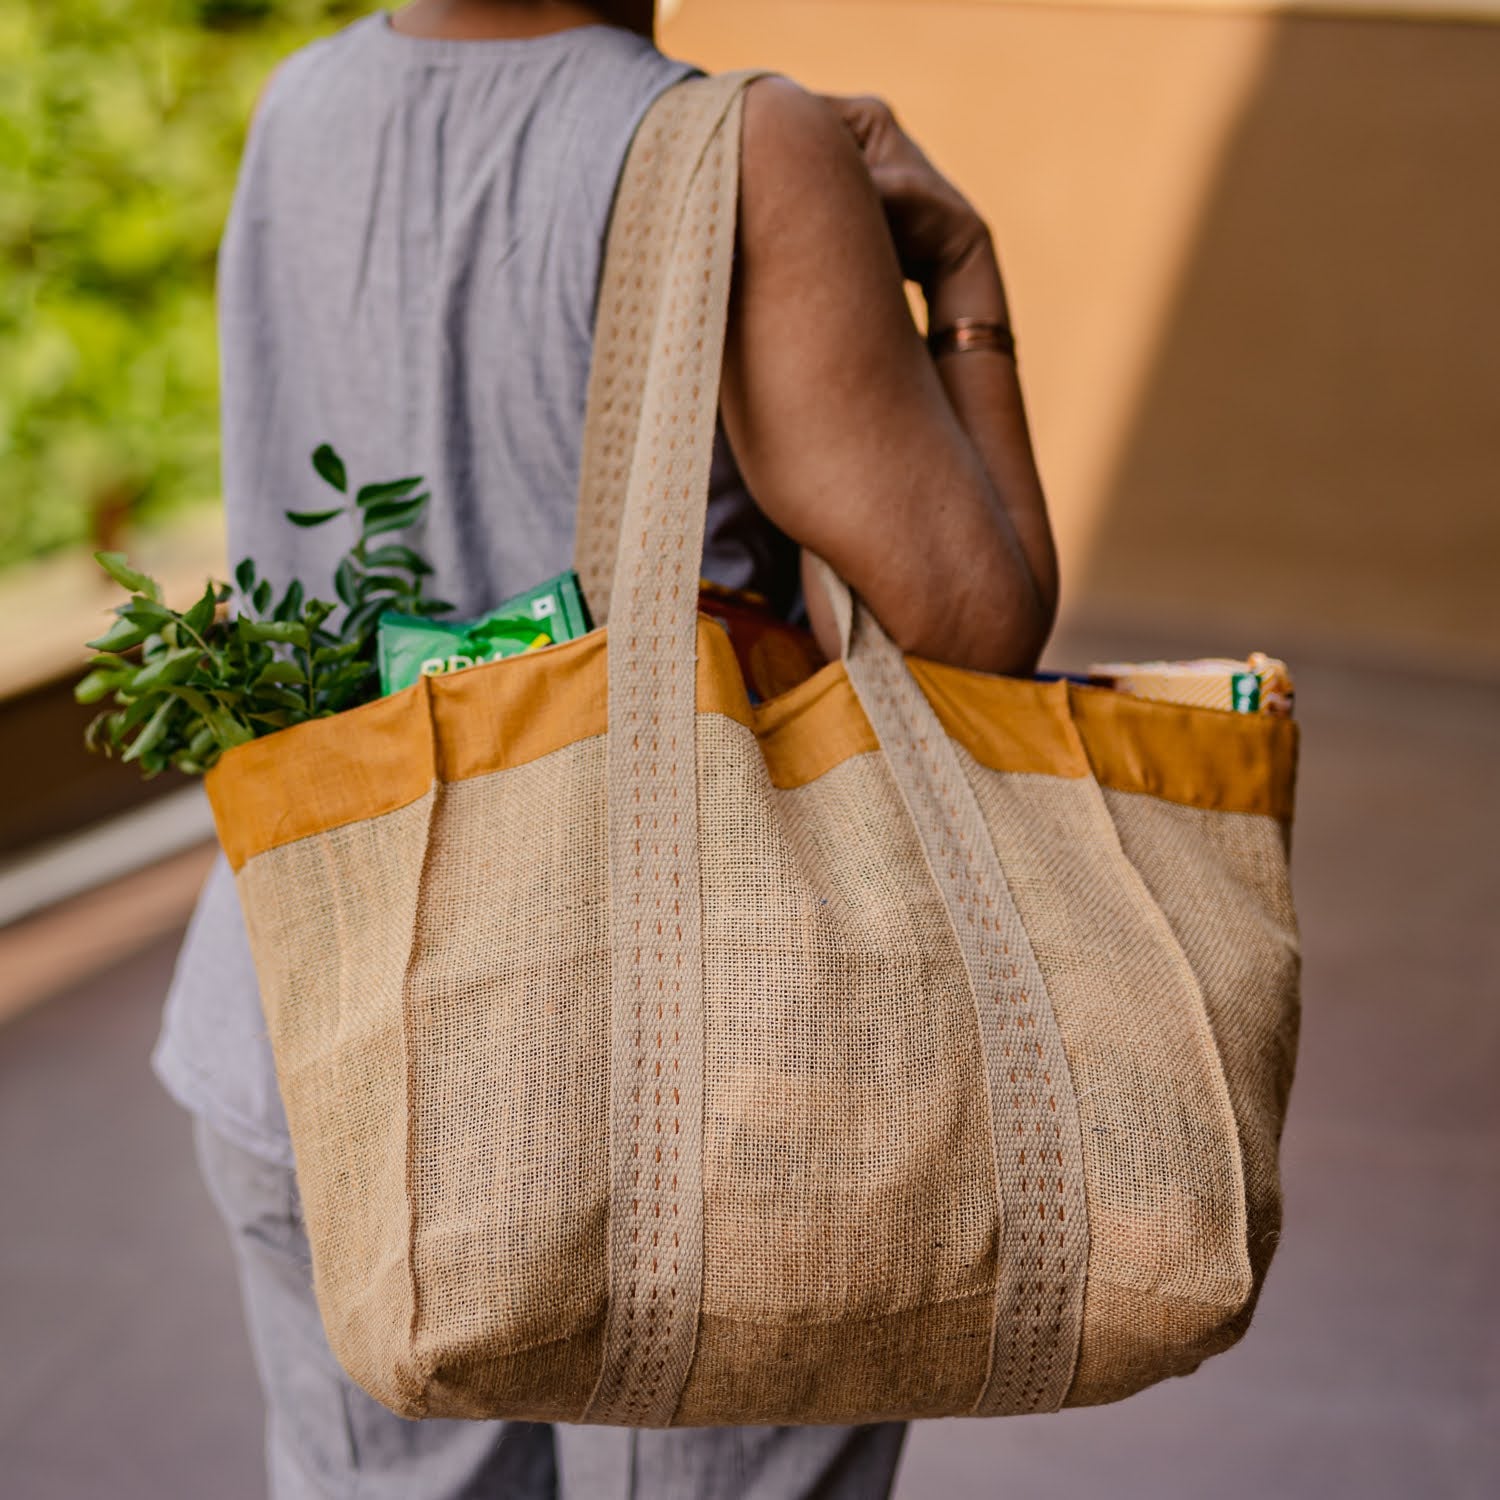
[372,760]
[1201,757]
[1006,723]
[511,713]
[805,733]
[385,755]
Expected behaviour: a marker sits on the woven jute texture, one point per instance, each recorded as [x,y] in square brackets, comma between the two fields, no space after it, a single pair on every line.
[628,1085]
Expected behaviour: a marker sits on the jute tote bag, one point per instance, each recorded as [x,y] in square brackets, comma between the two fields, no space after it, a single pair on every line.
[914,1044]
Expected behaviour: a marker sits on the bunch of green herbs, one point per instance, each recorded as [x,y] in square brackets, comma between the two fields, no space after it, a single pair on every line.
[188,685]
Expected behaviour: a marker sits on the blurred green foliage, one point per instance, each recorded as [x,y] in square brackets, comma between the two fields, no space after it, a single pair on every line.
[121,123]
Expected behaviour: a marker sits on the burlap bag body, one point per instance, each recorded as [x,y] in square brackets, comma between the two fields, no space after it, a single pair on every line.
[914,1045]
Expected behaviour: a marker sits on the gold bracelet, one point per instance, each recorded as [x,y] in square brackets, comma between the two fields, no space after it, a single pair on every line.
[972,336]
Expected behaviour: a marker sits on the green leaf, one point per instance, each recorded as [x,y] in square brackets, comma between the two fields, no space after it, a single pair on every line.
[261,598]
[151,735]
[330,468]
[102,737]
[118,568]
[281,671]
[283,632]
[244,576]
[394,516]
[201,615]
[309,518]
[429,607]
[346,676]
[346,582]
[388,510]
[281,696]
[192,697]
[120,636]
[361,621]
[137,712]
[394,556]
[148,613]
[291,601]
[395,489]
[238,734]
[228,730]
[95,686]
[330,654]
[170,666]
[389,582]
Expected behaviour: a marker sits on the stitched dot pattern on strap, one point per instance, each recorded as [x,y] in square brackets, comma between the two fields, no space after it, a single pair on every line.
[1044,1233]
[656,1138]
[634,271]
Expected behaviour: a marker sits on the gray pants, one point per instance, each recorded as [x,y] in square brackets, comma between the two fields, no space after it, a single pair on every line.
[327,1440]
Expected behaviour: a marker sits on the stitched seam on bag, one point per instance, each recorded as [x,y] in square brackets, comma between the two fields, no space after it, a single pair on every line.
[420,1399]
[1224,1098]
[510,1351]
[984,1294]
[1224,1312]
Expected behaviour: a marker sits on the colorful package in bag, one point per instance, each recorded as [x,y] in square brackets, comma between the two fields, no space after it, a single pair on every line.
[773,655]
[1259,685]
[548,615]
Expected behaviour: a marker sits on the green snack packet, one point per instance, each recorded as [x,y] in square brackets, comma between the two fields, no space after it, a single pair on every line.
[548,615]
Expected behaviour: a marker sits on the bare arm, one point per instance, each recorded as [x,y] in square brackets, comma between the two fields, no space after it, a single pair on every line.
[916,484]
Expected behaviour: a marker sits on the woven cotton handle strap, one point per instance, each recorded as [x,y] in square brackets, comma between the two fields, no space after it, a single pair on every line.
[664,157]
[1038,1148]
[656,1141]
[679,196]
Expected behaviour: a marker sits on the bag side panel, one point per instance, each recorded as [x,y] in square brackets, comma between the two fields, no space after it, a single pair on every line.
[925,1362]
[847,1161]
[1167,1266]
[1222,881]
[508,1006]
[331,920]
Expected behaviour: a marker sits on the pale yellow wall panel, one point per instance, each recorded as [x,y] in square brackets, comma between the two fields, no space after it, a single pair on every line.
[1248,258]
[1088,152]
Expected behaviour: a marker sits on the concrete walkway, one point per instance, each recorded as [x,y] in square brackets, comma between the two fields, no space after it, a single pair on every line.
[1373,1370]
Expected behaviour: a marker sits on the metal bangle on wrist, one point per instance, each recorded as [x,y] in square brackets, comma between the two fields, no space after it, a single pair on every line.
[972,336]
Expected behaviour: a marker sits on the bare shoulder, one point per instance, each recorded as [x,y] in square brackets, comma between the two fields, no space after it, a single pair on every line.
[796,147]
[782,115]
[805,189]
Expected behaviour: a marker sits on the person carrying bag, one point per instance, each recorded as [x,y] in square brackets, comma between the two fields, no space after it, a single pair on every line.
[915,1044]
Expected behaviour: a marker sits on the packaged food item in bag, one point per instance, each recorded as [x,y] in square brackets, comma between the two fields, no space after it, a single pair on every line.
[773,655]
[547,615]
[1258,685]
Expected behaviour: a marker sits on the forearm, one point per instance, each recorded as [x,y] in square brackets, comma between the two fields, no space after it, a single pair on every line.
[980,590]
[843,428]
[985,392]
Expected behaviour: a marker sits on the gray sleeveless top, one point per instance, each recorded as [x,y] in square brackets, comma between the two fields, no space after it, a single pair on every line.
[409,272]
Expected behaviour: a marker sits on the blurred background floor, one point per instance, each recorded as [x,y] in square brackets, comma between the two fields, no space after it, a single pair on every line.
[1373,1369]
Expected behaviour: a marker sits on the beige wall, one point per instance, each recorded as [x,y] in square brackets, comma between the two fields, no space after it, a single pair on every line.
[1254,261]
